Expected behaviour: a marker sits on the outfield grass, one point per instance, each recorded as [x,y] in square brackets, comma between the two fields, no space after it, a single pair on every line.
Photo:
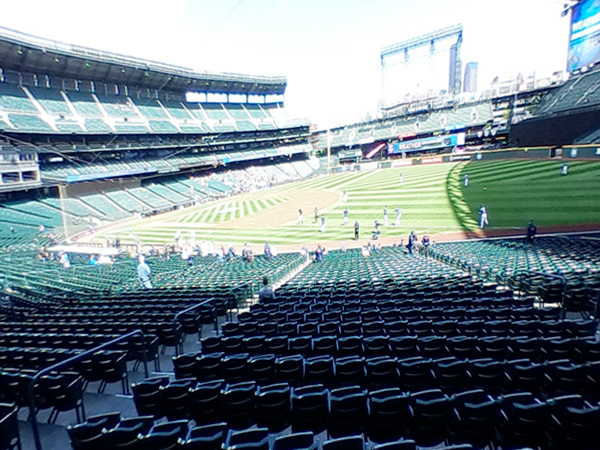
[431,197]
[516,191]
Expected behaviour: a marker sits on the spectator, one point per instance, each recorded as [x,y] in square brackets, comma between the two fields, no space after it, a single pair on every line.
[266,294]
[247,253]
[412,240]
[143,271]
[230,253]
[65,261]
[366,250]
[426,240]
[319,253]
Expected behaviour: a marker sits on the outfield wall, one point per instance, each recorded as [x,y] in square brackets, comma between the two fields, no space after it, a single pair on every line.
[567,152]
[538,153]
[584,151]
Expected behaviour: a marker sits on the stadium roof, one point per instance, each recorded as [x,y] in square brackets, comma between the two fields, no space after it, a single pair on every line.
[424,39]
[30,54]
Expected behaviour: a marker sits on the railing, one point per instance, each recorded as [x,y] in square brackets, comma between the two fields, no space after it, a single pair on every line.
[519,277]
[473,265]
[245,290]
[68,362]
[176,319]
[285,269]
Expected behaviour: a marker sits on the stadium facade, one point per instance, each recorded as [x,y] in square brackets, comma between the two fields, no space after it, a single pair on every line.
[77,121]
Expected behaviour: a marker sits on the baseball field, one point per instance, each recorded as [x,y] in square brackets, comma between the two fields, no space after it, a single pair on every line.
[431,198]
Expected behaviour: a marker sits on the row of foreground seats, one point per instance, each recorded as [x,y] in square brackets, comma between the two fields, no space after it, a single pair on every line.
[428,417]
[546,379]
[579,350]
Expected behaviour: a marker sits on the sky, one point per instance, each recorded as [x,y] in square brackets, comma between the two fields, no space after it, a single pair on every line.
[329,50]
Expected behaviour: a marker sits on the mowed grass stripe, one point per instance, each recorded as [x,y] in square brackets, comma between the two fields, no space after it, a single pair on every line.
[323,182]
[210,214]
[260,205]
[202,217]
[578,169]
[192,217]
[251,207]
[215,215]
[482,171]
[340,185]
[524,171]
[476,168]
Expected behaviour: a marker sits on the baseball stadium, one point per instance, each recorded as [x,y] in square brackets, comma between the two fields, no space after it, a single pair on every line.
[209,272]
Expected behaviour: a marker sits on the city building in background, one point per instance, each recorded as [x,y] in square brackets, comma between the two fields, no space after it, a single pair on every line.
[470,82]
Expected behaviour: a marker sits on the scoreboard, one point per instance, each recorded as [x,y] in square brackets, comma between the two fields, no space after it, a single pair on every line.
[584,39]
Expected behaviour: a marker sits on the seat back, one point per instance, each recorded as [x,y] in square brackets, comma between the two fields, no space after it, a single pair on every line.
[295,441]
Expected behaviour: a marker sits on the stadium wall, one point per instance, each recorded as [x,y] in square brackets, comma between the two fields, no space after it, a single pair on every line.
[538,153]
[553,131]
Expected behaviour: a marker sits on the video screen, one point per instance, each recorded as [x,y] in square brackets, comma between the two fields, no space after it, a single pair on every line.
[584,40]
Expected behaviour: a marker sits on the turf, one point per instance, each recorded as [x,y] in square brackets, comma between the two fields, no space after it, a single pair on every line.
[432,198]
[516,191]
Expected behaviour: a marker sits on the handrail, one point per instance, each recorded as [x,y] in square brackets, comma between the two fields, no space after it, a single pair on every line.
[231,296]
[247,287]
[30,396]
[550,275]
[467,264]
[562,279]
[190,309]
